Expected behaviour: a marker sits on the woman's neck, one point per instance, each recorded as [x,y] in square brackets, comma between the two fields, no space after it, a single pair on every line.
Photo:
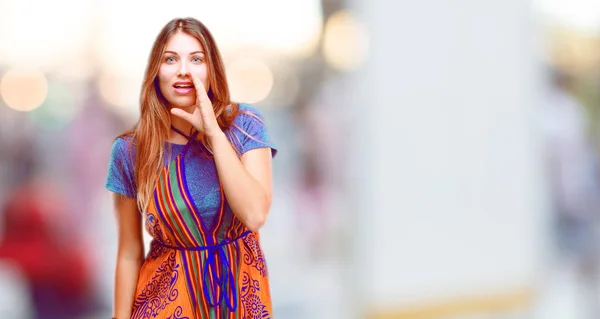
[183,126]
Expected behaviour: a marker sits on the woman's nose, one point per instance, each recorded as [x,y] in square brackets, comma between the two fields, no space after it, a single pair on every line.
[183,69]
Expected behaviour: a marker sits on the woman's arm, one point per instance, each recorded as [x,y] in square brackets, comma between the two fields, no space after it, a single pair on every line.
[246,181]
[130,254]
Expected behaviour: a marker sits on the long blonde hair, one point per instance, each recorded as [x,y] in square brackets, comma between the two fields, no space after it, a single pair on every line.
[152,129]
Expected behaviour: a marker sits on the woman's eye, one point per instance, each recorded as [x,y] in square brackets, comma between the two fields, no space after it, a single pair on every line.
[197,60]
[170,59]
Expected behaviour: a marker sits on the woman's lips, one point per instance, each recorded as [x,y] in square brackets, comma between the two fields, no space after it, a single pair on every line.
[183,87]
[183,90]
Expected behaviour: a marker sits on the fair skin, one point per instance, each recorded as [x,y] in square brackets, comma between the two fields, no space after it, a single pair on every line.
[130,255]
[246,181]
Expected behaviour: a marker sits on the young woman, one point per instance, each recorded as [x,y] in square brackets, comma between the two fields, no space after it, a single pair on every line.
[197,169]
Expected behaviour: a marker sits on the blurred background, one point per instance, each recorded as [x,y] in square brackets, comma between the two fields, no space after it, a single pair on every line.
[438,159]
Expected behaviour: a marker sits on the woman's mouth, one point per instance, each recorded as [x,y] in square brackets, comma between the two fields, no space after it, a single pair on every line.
[183,87]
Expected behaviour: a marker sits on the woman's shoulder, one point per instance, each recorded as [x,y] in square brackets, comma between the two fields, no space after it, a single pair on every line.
[123,144]
[247,108]
[248,113]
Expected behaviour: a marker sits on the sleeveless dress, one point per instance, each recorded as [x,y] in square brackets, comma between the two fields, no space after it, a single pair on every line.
[203,262]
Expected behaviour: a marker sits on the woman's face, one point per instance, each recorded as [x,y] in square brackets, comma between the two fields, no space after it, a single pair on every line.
[183,56]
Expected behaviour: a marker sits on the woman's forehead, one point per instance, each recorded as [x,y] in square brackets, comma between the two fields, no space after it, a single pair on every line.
[183,43]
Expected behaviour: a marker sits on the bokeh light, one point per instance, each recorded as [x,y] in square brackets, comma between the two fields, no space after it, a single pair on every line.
[345,41]
[23,89]
[121,92]
[286,86]
[250,80]
[58,109]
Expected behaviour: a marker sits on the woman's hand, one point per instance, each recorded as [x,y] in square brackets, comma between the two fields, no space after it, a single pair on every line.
[203,118]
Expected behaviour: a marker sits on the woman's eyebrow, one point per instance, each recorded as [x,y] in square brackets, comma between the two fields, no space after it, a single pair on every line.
[175,53]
